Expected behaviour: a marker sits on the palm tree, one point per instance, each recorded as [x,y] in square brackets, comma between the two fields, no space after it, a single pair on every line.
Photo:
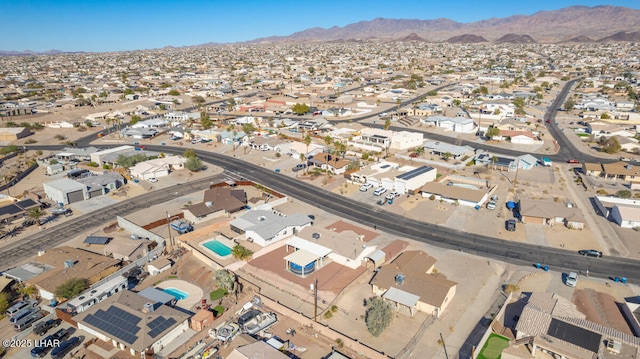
[302,160]
[398,102]
[418,150]
[328,141]
[35,214]
[108,121]
[307,142]
[241,253]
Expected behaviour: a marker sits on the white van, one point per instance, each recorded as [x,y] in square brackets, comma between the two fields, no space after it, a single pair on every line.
[380,191]
[20,306]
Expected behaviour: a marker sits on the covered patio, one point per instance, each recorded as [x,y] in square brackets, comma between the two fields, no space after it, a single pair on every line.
[402,298]
[306,256]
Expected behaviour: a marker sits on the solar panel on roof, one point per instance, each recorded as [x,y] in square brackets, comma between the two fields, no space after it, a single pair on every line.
[159,325]
[581,337]
[115,322]
[414,173]
[97,240]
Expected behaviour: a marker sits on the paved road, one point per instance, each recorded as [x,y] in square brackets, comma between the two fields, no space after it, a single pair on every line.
[367,214]
[364,213]
[15,253]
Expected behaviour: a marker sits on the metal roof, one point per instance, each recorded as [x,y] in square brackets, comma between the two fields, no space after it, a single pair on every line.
[302,257]
[402,297]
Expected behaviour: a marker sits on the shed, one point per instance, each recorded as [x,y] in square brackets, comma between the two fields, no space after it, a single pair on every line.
[202,319]
[54,169]
[158,266]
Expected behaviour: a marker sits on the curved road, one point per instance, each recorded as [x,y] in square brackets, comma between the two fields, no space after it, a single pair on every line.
[516,253]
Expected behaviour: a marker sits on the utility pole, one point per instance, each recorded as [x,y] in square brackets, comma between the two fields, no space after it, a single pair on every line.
[170,244]
[444,346]
[315,301]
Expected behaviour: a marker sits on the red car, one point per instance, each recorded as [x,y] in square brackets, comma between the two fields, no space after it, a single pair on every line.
[547,121]
[573,161]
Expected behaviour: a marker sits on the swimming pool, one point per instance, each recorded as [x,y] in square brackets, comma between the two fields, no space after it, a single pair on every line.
[180,295]
[218,248]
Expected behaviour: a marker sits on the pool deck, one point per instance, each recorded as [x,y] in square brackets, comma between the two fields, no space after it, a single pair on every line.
[195,293]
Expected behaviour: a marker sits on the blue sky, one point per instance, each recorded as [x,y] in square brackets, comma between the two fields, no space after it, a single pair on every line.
[117,25]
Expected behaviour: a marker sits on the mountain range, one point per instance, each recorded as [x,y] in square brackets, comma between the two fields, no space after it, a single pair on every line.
[570,24]
[574,24]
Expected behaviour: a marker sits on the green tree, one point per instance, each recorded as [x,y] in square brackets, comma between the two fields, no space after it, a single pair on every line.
[71,288]
[198,100]
[194,164]
[418,150]
[225,279]
[611,145]
[135,119]
[387,123]
[241,253]
[493,132]
[624,193]
[447,155]
[518,102]
[206,122]
[174,93]
[569,104]
[432,93]
[379,315]
[605,116]
[312,70]
[189,153]
[4,302]
[300,108]
[248,128]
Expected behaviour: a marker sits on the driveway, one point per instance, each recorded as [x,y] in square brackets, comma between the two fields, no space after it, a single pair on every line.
[535,234]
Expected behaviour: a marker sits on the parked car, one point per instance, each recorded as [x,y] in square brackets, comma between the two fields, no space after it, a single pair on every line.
[573,161]
[153,180]
[491,205]
[43,327]
[392,195]
[299,167]
[572,279]
[590,253]
[365,187]
[64,348]
[49,342]
[380,191]
[511,225]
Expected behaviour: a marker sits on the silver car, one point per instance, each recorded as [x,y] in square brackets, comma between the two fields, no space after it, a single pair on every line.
[572,279]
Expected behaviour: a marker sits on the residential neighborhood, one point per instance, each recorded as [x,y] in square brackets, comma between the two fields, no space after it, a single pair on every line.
[340,199]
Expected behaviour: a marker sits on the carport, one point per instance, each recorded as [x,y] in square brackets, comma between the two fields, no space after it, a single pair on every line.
[377,258]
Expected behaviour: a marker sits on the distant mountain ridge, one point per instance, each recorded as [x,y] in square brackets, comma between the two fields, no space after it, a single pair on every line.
[575,22]
[32,53]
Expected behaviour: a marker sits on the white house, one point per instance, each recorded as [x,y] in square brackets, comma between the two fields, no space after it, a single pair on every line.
[98,157]
[455,124]
[404,140]
[412,181]
[454,194]
[626,216]
[265,227]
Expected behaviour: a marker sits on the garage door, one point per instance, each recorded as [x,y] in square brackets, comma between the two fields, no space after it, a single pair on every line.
[76,196]
[95,193]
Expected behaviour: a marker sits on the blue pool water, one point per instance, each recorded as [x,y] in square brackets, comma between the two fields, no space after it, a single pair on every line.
[218,248]
[180,295]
